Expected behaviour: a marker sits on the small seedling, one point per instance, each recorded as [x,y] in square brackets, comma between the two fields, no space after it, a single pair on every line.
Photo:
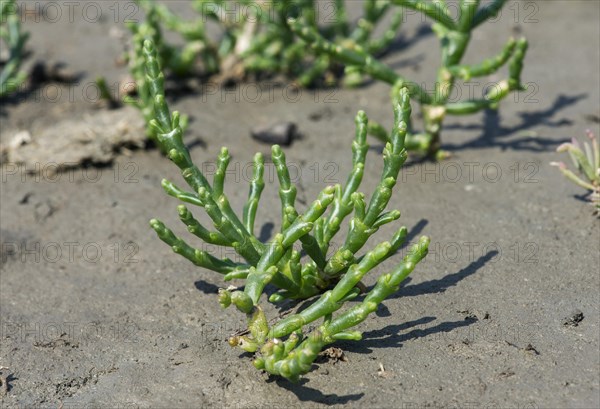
[455,35]
[286,347]
[11,77]
[587,164]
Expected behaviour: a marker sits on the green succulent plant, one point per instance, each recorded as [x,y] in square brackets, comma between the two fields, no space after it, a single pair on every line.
[587,164]
[455,35]
[254,37]
[11,77]
[286,347]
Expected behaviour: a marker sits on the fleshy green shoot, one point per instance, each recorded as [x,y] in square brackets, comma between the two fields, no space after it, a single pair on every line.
[455,35]
[587,164]
[14,38]
[286,347]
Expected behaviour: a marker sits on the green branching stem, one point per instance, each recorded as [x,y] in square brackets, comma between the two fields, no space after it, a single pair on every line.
[362,226]
[257,185]
[436,10]
[355,57]
[169,135]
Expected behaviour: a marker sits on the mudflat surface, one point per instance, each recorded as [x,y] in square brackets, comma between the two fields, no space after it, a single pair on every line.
[97,312]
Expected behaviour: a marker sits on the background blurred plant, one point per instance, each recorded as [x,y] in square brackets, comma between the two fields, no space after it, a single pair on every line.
[587,163]
[14,38]
[286,347]
[253,37]
[455,35]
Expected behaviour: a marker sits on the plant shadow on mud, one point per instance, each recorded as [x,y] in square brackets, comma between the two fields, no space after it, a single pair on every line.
[390,337]
[306,394]
[442,284]
[494,134]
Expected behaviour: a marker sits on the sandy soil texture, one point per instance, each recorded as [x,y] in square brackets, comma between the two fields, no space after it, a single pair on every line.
[503,313]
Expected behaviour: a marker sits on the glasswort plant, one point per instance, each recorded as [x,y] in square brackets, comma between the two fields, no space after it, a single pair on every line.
[454,35]
[255,38]
[284,348]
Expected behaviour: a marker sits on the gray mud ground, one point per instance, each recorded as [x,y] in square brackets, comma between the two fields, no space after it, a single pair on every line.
[97,312]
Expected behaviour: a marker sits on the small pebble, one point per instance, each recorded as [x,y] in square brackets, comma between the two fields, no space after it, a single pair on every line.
[281,133]
[573,319]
